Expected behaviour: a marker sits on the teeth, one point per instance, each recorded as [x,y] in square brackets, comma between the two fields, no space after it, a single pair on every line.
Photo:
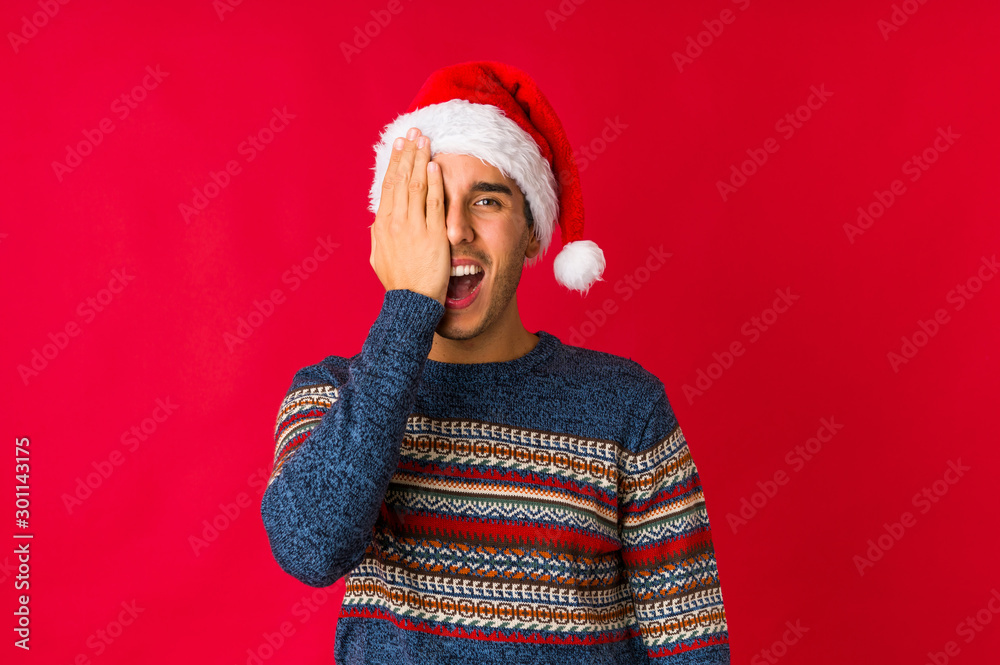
[459,271]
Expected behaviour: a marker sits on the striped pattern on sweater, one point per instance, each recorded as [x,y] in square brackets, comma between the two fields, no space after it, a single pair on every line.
[300,412]
[495,532]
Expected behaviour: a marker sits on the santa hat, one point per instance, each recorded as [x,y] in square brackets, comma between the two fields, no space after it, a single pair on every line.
[497,113]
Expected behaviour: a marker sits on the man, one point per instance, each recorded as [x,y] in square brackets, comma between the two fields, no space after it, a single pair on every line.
[493,495]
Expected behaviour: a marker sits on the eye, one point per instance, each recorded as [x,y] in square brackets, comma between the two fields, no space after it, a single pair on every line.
[495,202]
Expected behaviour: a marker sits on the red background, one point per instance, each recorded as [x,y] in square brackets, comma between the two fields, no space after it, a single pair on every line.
[164,335]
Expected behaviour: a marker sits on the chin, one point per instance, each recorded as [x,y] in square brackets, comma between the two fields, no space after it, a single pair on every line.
[458,326]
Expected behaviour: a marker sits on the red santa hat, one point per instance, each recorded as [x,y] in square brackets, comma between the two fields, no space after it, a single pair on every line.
[497,113]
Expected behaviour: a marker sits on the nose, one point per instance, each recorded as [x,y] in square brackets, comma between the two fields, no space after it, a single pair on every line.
[458,221]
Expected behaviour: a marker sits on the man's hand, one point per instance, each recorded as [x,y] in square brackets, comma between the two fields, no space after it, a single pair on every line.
[410,247]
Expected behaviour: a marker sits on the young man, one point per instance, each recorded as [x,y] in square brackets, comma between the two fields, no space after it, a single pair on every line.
[493,495]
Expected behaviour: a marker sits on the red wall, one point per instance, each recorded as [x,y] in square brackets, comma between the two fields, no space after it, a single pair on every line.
[131,311]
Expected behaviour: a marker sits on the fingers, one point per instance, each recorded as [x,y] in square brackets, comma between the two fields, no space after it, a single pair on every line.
[418,181]
[404,173]
[389,183]
[435,198]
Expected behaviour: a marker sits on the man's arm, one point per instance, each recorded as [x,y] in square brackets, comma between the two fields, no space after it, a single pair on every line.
[337,444]
[338,437]
[667,546]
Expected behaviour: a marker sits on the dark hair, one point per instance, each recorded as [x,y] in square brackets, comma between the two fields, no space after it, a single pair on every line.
[528,216]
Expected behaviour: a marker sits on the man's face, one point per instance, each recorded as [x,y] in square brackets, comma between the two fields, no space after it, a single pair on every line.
[485,219]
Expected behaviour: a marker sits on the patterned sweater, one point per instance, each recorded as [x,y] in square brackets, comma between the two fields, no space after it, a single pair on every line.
[540,510]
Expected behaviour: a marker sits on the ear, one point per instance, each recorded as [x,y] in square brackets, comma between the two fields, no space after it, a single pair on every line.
[534,244]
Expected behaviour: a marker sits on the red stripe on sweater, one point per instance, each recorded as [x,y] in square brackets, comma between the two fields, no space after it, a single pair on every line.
[664,495]
[681,648]
[652,554]
[500,532]
[303,415]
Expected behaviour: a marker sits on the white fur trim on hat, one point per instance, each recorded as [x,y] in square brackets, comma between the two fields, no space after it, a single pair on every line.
[579,264]
[461,127]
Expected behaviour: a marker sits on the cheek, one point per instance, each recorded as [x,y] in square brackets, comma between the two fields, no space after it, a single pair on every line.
[504,242]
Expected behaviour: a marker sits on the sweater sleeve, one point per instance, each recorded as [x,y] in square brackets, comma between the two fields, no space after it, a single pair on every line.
[337,443]
[667,546]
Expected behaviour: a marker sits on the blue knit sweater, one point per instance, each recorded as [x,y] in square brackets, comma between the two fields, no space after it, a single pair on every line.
[540,510]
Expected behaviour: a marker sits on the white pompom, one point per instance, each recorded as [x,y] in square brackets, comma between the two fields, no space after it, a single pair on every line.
[579,265]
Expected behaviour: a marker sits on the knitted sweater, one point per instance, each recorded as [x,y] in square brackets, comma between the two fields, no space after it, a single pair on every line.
[544,509]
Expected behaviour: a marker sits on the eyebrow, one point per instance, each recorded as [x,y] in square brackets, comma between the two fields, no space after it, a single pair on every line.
[491,187]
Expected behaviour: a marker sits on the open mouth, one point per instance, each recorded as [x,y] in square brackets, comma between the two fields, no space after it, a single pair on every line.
[463,287]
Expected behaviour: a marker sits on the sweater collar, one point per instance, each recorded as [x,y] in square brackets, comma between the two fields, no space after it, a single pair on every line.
[435,370]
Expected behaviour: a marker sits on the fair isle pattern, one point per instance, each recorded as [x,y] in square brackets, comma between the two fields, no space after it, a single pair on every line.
[667,547]
[300,413]
[577,535]
[510,534]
